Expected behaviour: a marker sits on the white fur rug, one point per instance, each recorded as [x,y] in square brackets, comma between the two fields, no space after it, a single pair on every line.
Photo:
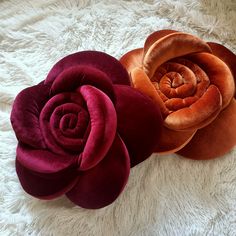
[165,195]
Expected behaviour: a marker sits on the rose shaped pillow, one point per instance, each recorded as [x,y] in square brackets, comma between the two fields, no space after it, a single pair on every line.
[193,84]
[81,129]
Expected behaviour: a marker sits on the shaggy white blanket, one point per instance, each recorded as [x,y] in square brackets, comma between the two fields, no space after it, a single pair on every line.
[165,195]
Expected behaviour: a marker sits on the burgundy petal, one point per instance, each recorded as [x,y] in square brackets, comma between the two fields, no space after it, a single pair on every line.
[139,122]
[25,114]
[103,126]
[43,174]
[101,185]
[76,76]
[99,60]
[43,161]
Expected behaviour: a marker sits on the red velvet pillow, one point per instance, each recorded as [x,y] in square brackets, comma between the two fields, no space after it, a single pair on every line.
[81,129]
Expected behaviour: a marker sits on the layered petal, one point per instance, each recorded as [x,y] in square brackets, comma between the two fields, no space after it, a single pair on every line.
[169,47]
[139,122]
[25,114]
[225,55]
[152,38]
[43,161]
[215,139]
[219,75]
[187,118]
[171,141]
[101,185]
[99,60]
[141,82]
[76,76]
[132,59]
[103,121]
[43,174]
[193,117]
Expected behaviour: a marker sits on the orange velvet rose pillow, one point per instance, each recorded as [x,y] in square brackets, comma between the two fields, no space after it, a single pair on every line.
[192,82]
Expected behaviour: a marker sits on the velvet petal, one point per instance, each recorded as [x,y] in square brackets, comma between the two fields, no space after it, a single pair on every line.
[172,141]
[139,122]
[152,38]
[103,126]
[43,161]
[101,185]
[225,55]
[45,186]
[25,114]
[132,59]
[44,174]
[216,139]
[76,76]
[99,60]
[142,83]
[218,73]
[190,117]
[169,47]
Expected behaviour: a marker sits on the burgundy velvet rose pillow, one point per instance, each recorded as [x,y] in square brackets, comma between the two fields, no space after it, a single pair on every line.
[81,129]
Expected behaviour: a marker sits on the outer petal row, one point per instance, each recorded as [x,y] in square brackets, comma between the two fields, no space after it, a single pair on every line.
[225,55]
[94,188]
[25,114]
[99,60]
[216,139]
[101,185]
[43,174]
[77,76]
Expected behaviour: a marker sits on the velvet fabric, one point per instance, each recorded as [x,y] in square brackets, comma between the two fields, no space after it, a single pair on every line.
[81,130]
[193,84]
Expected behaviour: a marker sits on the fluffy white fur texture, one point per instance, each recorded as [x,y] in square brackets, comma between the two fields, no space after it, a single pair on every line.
[165,195]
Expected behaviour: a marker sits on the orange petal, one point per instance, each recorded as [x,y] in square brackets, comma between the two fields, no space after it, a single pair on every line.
[152,38]
[171,141]
[169,47]
[132,59]
[225,55]
[193,117]
[218,73]
[142,83]
[216,139]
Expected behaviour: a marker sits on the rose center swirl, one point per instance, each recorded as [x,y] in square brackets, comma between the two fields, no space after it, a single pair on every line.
[70,120]
[180,83]
[65,123]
